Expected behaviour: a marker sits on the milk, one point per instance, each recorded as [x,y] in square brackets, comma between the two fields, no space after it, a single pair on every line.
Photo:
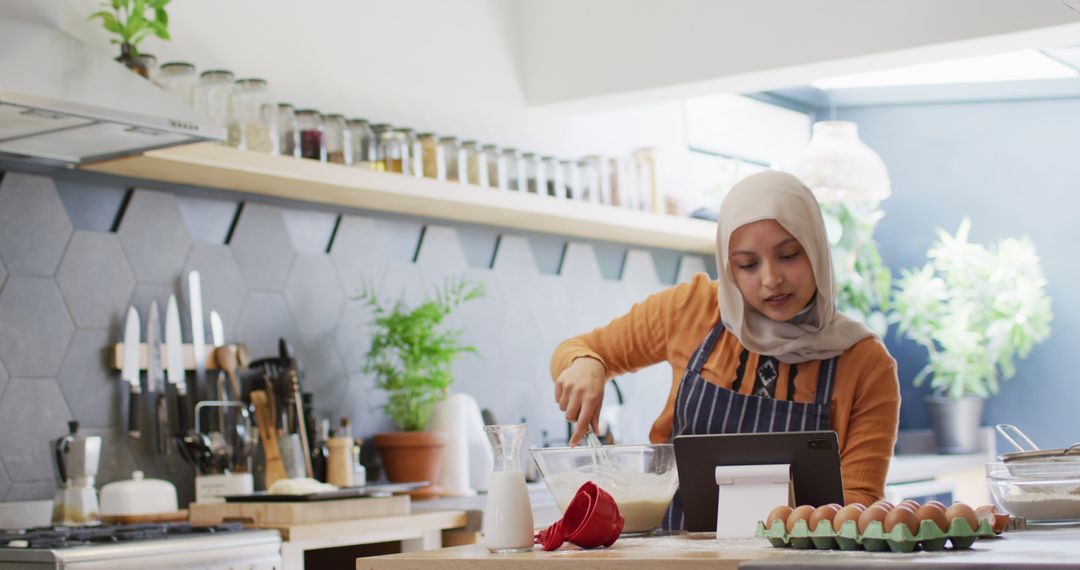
[508,521]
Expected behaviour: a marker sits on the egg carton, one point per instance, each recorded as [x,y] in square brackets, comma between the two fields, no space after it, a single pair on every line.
[960,535]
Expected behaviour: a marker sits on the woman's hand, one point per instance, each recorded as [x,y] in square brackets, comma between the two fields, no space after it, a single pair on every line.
[579,390]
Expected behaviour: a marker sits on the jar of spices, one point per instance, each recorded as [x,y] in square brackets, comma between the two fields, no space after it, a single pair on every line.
[395,151]
[334,129]
[474,163]
[380,152]
[515,169]
[362,141]
[573,179]
[178,78]
[432,156]
[451,152]
[309,123]
[496,176]
[535,179]
[556,182]
[247,128]
[213,93]
[284,136]
[596,178]
[414,159]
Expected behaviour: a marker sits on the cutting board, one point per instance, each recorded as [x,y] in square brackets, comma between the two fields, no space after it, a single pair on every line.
[276,514]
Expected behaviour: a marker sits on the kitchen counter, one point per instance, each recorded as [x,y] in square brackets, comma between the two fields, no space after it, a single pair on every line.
[1055,548]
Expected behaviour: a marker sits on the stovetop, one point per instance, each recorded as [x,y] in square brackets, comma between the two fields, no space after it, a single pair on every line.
[66,537]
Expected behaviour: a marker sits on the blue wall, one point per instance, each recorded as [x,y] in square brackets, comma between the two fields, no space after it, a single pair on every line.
[1013,167]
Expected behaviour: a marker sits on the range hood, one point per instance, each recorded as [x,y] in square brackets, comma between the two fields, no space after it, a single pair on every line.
[61,102]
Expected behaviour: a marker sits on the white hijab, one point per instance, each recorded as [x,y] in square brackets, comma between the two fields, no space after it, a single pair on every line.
[819,333]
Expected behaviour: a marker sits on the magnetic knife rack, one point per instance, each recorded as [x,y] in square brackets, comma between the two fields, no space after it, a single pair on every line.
[117,360]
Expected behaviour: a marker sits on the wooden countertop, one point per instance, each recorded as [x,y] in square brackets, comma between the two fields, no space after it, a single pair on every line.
[1057,548]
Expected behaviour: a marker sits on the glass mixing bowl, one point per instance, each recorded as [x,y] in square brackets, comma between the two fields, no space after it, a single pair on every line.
[1043,492]
[641,478]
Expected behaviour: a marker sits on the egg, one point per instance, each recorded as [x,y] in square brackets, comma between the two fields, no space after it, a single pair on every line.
[932,512]
[902,515]
[848,513]
[938,503]
[913,504]
[883,503]
[962,511]
[823,513]
[801,513]
[871,514]
[779,513]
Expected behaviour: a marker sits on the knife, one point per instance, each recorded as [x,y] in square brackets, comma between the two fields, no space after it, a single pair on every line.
[155,380]
[175,361]
[217,337]
[198,332]
[130,370]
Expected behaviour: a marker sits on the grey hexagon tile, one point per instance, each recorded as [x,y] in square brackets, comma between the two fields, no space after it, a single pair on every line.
[405,282]
[514,261]
[207,220]
[262,246]
[688,266]
[90,388]
[3,274]
[353,333]
[34,227]
[580,263]
[640,270]
[482,319]
[35,409]
[264,319]
[309,230]
[5,483]
[154,236]
[440,256]
[38,490]
[324,374]
[355,255]
[3,380]
[35,327]
[398,239]
[361,405]
[314,294]
[223,288]
[90,205]
[95,279]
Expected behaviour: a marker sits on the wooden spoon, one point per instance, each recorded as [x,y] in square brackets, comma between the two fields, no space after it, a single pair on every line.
[228,359]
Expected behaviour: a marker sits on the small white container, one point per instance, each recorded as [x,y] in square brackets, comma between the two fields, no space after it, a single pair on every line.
[138,496]
[25,514]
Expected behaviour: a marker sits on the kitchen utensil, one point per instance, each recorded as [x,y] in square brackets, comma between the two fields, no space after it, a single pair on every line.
[372,490]
[217,336]
[294,379]
[77,462]
[138,496]
[1030,461]
[175,361]
[268,435]
[1041,485]
[130,370]
[641,478]
[592,519]
[198,332]
[292,456]
[155,377]
[228,360]
[224,451]
[195,448]
[259,511]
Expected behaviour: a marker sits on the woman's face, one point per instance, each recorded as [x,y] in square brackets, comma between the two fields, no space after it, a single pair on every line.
[771,269]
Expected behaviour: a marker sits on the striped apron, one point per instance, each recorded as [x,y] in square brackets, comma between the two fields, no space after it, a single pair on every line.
[702,407]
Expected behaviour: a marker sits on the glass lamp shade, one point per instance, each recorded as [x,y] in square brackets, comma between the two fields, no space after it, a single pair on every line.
[839,167]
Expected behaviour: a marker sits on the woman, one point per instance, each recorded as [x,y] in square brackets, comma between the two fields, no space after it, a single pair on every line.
[777,344]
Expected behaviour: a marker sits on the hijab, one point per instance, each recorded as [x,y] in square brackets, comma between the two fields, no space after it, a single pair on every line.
[820,332]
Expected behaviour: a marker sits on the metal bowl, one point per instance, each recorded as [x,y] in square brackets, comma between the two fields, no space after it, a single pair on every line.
[641,478]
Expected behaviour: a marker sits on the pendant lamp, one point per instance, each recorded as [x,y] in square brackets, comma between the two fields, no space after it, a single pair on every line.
[839,167]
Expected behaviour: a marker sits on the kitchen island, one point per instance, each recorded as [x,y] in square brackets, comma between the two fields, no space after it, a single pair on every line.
[1054,548]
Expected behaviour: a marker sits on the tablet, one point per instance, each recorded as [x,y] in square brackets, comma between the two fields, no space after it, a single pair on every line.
[814,457]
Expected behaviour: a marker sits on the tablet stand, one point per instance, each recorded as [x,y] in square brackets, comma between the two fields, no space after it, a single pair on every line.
[746,494]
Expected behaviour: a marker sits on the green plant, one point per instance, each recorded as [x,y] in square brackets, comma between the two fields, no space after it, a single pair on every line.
[863,281]
[974,309]
[411,355]
[128,19]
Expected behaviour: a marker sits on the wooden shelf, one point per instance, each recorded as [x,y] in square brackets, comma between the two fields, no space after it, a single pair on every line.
[217,166]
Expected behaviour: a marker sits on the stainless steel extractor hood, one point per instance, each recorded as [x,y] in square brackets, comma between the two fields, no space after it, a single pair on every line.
[62,102]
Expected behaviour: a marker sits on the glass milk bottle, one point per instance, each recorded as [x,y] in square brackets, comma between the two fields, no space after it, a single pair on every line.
[508,522]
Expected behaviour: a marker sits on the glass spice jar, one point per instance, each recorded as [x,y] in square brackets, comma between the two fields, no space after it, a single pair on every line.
[312,145]
[515,169]
[178,78]
[573,179]
[334,128]
[247,128]
[496,170]
[595,175]
[284,137]
[475,164]
[149,61]
[556,181]
[362,141]
[534,178]
[431,156]
[380,154]
[395,151]
[414,160]
[212,94]
[451,152]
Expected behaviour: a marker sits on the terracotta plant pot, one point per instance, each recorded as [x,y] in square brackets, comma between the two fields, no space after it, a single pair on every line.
[412,456]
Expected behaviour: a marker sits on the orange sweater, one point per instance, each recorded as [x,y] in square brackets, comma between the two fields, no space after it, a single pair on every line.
[669,326]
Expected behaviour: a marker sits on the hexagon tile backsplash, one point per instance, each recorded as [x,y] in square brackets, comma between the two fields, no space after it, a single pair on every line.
[271,271]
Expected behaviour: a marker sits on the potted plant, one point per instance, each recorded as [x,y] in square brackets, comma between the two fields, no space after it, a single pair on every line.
[411,354]
[863,281]
[974,309]
[132,21]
